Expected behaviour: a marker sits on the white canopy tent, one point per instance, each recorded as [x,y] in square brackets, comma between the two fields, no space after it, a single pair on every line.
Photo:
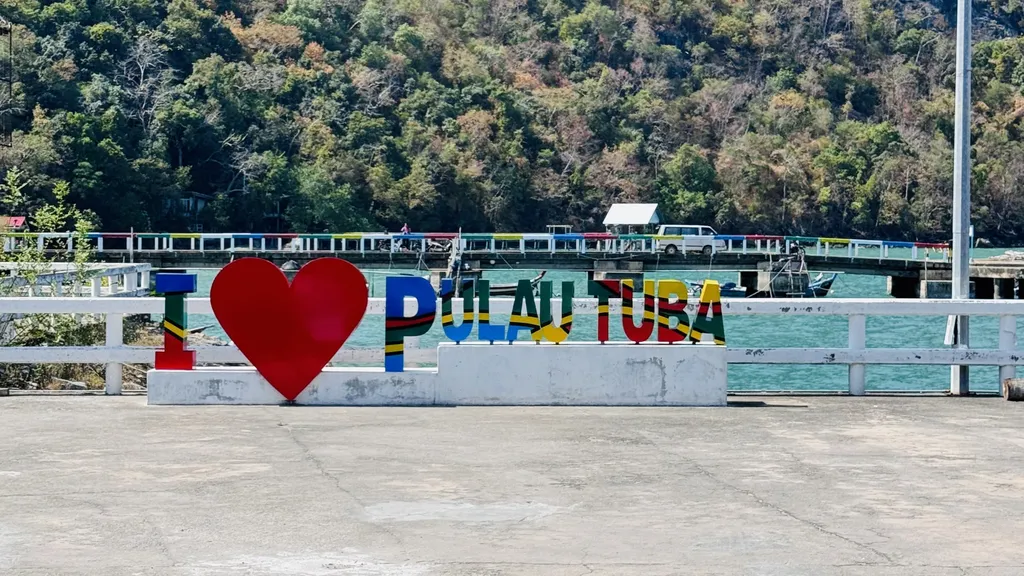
[630,215]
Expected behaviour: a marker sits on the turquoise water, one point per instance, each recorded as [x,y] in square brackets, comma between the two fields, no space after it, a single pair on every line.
[747,331]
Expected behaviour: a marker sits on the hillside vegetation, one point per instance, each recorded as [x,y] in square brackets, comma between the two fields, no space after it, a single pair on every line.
[812,117]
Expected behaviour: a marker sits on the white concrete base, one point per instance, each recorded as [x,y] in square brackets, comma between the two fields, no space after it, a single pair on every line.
[479,374]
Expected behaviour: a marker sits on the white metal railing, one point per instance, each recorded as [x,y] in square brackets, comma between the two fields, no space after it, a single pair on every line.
[493,243]
[856,355]
[95,280]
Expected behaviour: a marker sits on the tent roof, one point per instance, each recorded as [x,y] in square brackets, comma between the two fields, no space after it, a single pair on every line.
[632,215]
[12,221]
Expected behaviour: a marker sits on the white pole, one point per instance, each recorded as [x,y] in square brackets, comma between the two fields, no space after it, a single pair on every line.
[1008,342]
[857,341]
[959,376]
[115,335]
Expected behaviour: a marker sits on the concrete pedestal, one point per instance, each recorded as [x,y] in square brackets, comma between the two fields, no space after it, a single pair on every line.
[573,374]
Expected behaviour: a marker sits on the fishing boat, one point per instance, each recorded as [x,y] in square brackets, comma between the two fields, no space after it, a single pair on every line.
[463,275]
[728,290]
[509,289]
[819,287]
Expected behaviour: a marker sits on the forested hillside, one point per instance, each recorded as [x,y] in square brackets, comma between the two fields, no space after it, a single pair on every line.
[829,117]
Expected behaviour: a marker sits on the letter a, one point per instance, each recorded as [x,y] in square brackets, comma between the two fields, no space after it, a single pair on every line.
[548,329]
[519,321]
[710,300]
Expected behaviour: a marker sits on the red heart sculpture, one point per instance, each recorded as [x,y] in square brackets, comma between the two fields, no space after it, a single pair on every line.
[289,333]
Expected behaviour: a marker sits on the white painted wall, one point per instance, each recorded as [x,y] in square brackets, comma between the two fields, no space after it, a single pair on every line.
[620,374]
[333,387]
[578,374]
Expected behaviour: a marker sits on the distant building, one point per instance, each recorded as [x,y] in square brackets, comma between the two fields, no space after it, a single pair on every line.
[191,205]
[13,223]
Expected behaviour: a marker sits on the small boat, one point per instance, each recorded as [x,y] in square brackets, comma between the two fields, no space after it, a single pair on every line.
[728,290]
[819,287]
[509,289]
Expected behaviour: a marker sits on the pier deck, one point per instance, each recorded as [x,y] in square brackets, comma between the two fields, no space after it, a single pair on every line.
[637,262]
[782,485]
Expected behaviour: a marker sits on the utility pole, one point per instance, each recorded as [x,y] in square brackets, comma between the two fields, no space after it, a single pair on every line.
[959,376]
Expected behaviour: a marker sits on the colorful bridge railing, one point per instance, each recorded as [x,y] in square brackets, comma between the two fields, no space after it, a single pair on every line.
[499,242]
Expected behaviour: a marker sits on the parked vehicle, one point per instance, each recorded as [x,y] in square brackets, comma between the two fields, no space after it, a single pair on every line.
[694,239]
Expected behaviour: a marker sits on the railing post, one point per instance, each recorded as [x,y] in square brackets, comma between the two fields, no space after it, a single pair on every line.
[1007,342]
[115,337]
[131,283]
[145,280]
[857,341]
[96,285]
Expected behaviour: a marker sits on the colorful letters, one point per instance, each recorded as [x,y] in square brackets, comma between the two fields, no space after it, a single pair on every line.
[548,329]
[398,327]
[174,287]
[643,332]
[668,309]
[603,290]
[487,331]
[451,331]
[665,305]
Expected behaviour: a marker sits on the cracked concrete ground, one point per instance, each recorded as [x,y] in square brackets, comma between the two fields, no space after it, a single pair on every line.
[780,486]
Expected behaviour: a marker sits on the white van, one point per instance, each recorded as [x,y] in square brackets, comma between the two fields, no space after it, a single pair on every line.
[689,239]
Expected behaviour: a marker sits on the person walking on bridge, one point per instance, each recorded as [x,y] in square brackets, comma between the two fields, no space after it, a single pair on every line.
[405,230]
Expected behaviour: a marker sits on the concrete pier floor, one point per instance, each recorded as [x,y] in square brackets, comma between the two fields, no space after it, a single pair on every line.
[770,486]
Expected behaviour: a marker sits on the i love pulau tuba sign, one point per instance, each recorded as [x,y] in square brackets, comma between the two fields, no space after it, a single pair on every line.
[289,332]
[665,304]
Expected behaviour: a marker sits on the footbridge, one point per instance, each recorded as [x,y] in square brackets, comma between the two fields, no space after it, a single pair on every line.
[915,269]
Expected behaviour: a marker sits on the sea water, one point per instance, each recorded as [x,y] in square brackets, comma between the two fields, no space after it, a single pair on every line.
[741,331]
